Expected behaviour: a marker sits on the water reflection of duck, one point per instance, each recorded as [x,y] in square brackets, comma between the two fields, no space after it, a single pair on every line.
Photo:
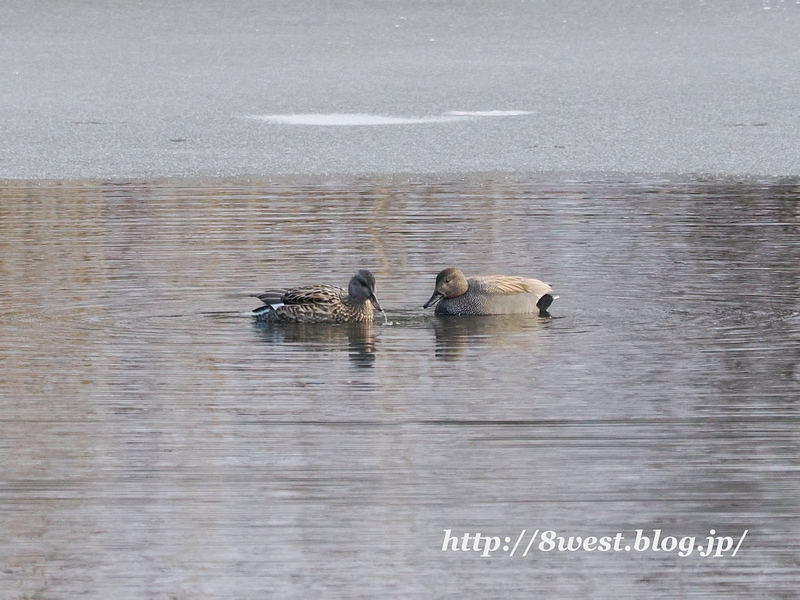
[321,303]
[489,295]
[358,338]
[500,333]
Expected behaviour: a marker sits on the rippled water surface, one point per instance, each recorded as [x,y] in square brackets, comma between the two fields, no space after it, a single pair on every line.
[157,443]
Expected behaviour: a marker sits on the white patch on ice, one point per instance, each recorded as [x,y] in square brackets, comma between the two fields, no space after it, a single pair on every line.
[351,119]
[489,113]
[345,119]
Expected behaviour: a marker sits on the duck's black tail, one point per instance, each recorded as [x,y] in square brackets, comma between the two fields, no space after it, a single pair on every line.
[544,303]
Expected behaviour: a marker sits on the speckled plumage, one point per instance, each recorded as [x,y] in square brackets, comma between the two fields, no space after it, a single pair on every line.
[489,295]
[321,303]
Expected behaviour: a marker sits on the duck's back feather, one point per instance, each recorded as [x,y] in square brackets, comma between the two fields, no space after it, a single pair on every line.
[500,284]
[314,294]
[503,285]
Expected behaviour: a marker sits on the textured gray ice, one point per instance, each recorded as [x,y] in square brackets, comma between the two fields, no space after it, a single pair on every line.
[149,89]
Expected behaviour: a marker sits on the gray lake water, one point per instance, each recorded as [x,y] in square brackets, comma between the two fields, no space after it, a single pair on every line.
[158,443]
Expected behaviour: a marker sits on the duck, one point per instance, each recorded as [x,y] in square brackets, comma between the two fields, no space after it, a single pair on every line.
[321,303]
[456,294]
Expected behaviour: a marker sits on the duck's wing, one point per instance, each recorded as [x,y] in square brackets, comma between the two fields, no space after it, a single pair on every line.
[315,294]
[504,284]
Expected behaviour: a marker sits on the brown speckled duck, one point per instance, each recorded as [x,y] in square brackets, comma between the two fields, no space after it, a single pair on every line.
[489,295]
[322,303]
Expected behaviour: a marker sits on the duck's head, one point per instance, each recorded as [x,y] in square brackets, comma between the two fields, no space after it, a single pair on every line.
[450,283]
[362,288]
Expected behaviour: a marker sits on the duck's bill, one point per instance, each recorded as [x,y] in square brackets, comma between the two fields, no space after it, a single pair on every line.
[374,302]
[433,301]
